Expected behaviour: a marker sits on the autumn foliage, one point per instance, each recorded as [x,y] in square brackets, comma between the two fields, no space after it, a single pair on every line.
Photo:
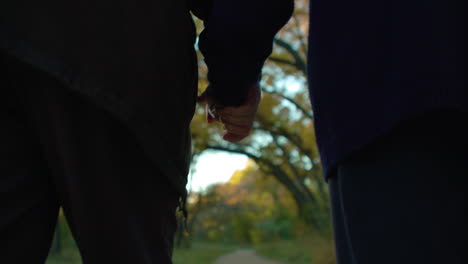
[281,194]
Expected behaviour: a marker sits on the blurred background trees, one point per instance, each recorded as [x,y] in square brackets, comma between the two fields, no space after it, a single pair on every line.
[281,194]
[282,144]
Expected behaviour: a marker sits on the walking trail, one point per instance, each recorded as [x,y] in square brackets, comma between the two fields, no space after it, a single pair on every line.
[244,256]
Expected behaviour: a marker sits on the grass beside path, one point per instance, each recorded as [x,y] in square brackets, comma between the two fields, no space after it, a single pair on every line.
[200,253]
[302,251]
[290,252]
[68,255]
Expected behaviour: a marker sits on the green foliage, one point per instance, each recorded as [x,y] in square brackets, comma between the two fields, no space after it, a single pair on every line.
[201,253]
[63,249]
[311,249]
[68,255]
[291,252]
[275,229]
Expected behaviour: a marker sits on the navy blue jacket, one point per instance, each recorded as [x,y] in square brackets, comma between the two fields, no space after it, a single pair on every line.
[372,63]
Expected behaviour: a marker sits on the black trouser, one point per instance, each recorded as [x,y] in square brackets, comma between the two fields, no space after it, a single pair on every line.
[401,199]
[57,149]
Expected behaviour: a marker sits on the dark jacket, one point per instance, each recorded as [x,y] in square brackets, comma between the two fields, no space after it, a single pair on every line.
[374,63]
[134,58]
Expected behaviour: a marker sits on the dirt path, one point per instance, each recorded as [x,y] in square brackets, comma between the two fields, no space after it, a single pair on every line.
[244,256]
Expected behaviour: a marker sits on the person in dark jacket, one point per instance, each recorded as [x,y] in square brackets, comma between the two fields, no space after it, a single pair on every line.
[97,98]
[386,80]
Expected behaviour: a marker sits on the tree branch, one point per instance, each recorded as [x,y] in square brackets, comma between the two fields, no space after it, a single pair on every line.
[302,197]
[303,110]
[283,61]
[238,151]
[300,34]
[300,63]
[294,170]
[296,141]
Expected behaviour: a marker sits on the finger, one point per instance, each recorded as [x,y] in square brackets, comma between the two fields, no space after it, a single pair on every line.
[233,138]
[237,130]
[245,123]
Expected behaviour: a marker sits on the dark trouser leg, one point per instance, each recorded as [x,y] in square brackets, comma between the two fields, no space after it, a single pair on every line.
[401,199]
[120,208]
[28,205]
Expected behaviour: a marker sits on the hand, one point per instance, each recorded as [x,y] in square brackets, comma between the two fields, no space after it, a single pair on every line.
[237,120]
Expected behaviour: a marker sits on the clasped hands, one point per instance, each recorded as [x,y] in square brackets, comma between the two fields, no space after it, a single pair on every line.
[237,120]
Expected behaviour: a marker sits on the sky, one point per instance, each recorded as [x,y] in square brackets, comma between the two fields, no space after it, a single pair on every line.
[214,167]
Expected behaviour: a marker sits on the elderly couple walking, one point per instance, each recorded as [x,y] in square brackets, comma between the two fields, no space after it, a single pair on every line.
[97,97]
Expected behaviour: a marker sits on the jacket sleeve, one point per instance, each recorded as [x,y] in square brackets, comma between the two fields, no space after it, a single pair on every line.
[237,39]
